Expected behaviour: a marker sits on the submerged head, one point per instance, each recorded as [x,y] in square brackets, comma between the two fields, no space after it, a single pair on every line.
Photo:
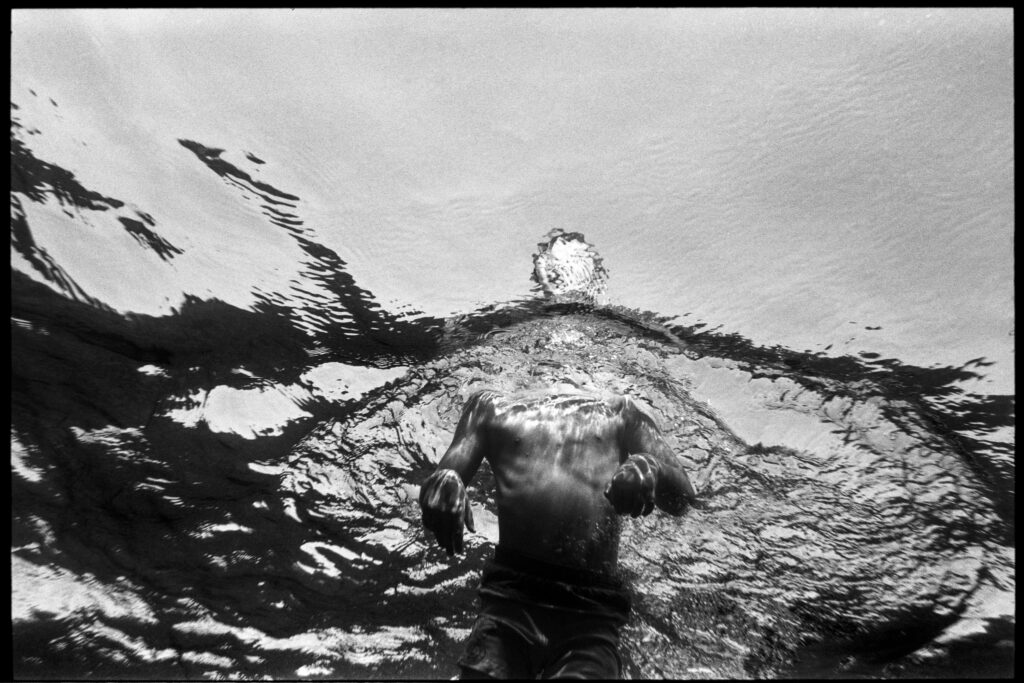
[568,267]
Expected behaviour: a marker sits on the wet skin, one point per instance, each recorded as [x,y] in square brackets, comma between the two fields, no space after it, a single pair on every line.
[566,463]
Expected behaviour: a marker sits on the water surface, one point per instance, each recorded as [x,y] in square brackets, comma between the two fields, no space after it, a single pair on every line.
[229,227]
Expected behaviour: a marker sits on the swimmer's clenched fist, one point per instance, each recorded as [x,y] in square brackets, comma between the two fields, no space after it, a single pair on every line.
[446,510]
[631,490]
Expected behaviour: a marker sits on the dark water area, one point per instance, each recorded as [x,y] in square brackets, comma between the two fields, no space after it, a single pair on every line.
[220,483]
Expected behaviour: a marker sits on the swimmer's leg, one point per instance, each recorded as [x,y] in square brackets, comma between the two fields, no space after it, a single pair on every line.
[590,655]
[495,651]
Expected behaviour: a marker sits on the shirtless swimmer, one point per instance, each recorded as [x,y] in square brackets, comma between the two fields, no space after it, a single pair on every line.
[567,463]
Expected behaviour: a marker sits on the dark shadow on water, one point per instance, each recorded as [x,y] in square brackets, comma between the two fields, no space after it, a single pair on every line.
[349,317]
[33,179]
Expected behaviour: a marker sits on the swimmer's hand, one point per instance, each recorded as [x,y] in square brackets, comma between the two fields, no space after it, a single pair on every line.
[446,509]
[631,490]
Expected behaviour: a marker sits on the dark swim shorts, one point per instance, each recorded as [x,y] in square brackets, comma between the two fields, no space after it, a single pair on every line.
[538,618]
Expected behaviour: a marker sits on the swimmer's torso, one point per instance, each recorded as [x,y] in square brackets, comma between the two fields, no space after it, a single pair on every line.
[552,455]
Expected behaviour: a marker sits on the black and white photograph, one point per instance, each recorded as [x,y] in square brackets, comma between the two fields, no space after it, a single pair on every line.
[512,343]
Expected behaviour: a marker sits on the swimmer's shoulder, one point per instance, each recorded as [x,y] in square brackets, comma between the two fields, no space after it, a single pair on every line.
[620,404]
[481,406]
[628,409]
[481,397]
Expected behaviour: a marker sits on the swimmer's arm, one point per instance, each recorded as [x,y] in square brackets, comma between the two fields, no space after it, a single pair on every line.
[466,451]
[443,499]
[646,450]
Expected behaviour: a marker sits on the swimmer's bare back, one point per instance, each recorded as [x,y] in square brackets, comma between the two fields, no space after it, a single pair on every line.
[566,465]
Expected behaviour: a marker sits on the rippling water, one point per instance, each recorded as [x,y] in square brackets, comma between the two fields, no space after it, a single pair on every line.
[248,248]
